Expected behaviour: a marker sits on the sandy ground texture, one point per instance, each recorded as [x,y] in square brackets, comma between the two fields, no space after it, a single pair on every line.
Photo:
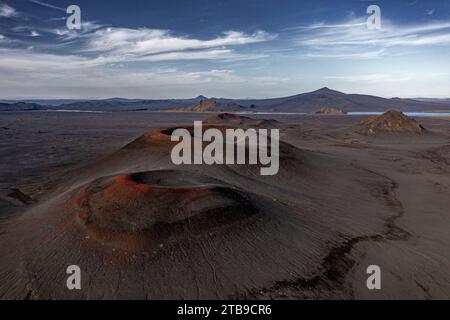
[100,191]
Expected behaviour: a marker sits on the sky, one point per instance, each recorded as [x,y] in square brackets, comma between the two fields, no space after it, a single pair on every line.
[223,48]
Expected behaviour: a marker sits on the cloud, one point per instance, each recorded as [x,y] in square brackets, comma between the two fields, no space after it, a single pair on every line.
[357,41]
[375,54]
[7,11]
[87,28]
[28,61]
[323,25]
[389,35]
[48,5]
[368,78]
[4,40]
[43,75]
[100,58]
[105,45]
[149,41]
[215,54]
[113,45]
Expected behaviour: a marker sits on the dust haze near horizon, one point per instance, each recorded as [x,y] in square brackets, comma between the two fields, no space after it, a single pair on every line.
[229,49]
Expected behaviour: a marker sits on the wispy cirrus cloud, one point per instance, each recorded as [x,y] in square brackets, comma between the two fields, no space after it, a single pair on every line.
[214,54]
[74,76]
[348,54]
[357,41]
[152,45]
[149,41]
[86,31]
[389,35]
[47,5]
[101,58]
[7,11]
[39,58]
[15,60]
[369,78]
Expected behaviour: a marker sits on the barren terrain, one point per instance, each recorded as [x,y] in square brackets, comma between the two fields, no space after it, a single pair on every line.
[100,191]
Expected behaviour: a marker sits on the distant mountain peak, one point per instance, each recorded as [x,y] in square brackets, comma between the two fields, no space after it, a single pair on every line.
[326,90]
[201,97]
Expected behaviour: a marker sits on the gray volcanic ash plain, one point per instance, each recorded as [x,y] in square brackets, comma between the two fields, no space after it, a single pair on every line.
[140,227]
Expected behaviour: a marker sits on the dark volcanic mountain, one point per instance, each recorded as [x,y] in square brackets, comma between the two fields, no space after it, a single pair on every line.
[309,102]
[327,98]
[20,106]
[118,104]
[443,100]
[212,105]
[238,120]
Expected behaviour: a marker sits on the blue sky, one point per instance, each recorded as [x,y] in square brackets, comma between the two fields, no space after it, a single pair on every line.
[223,48]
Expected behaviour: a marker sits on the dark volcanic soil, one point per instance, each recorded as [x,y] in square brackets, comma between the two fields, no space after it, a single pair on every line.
[141,228]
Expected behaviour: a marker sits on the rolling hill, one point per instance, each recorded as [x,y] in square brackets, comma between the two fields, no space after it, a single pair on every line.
[212,105]
[328,98]
[20,106]
[309,102]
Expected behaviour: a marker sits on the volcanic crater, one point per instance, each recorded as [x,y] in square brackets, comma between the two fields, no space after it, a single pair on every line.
[151,207]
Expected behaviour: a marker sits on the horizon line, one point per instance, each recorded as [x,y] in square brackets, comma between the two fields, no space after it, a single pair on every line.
[207,97]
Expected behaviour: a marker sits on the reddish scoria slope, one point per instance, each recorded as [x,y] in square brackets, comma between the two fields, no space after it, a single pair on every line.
[391,122]
[141,228]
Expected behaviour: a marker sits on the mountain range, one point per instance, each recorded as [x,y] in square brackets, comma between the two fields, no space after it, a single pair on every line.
[302,103]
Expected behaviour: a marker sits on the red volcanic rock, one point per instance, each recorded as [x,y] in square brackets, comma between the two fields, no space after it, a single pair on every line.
[162,137]
[153,137]
[391,122]
[330,111]
[209,232]
[143,209]
[214,105]
[234,119]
